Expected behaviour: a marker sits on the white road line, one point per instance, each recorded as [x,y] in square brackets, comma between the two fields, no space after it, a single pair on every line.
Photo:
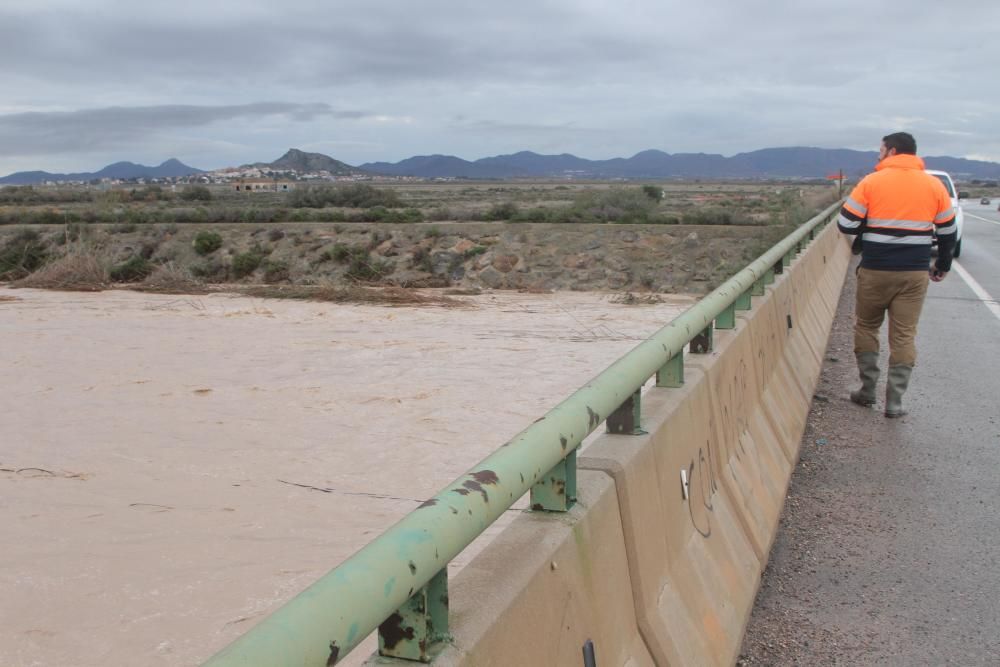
[983,295]
[992,222]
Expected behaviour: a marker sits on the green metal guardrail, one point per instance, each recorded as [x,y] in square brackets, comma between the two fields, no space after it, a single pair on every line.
[398,582]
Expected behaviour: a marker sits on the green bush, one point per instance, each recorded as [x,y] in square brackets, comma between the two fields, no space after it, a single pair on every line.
[536,214]
[196,193]
[365,268]
[133,270]
[341,252]
[209,270]
[246,263]
[654,192]
[715,215]
[505,211]
[421,259]
[474,250]
[206,243]
[623,205]
[51,216]
[275,271]
[28,194]
[383,214]
[357,195]
[21,255]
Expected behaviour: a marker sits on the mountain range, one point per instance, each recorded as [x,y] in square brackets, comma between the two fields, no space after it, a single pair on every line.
[767,163]
[172,168]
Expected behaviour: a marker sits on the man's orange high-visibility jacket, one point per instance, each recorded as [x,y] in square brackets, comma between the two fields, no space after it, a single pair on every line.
[897,210]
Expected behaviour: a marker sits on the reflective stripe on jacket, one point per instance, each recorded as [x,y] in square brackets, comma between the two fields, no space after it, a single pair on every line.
[898,209]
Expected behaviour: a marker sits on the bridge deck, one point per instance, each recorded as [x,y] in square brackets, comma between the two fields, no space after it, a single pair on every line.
[887,551]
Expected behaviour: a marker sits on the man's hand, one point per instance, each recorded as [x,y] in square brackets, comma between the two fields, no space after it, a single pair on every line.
[937,275]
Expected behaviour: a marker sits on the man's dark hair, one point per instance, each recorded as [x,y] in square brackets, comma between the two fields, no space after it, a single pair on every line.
[903,142]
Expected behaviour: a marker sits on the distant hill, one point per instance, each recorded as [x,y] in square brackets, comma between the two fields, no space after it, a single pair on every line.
[172,168]
[768,163]
[302,162]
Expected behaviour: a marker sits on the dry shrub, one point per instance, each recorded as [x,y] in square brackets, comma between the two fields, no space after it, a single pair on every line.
[630,299]
[171,279]
[82,269]
[389,296]
[5,298]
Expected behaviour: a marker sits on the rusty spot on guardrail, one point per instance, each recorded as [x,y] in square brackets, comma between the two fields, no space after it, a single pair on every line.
[563,441]
[428,503]
[485,477]
[393,632]
[594,419]
[334,655]
[559,486]
[413,568]
[476,486]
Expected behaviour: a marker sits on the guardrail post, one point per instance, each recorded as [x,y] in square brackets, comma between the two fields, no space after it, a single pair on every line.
[779,266]
[556,491]
[626,419]
[416,630]
[769,276]
[727,318]
[702,343]
[671,374]
[743,301]
[758,287]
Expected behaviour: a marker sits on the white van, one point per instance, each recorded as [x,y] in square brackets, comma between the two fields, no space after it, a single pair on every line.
[945,178]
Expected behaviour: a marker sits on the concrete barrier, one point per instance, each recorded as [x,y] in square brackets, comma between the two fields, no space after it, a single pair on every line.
[550,584]
[661,560]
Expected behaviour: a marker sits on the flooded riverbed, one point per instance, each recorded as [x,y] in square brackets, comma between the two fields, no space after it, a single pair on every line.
[161,455]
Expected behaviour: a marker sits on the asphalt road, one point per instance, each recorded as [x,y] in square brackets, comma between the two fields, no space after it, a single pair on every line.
[888,551]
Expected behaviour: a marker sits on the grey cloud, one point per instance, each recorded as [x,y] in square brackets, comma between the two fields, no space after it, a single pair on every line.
[483,125]
[40,133]
[582,76]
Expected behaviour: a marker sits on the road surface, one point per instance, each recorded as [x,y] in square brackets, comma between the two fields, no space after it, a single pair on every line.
[889,544]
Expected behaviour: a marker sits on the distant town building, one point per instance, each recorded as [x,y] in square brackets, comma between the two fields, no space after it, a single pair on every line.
[262,185]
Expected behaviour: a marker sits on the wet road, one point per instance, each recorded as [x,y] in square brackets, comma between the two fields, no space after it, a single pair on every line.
[889,548]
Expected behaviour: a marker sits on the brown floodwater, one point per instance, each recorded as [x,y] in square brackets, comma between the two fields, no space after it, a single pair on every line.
[156,451]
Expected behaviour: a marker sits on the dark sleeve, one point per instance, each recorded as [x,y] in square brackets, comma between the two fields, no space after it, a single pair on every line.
[849,222]
[946,246]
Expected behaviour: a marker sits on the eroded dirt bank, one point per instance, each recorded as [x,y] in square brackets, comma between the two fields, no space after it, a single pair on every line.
[592,257]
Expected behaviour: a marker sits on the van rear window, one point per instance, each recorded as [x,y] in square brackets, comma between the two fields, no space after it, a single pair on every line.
[947,184]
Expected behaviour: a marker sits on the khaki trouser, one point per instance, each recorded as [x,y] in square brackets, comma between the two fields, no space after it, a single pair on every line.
[902,294]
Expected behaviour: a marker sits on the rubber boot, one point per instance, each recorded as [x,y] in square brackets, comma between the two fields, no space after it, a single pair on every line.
[895,387]
[868,371]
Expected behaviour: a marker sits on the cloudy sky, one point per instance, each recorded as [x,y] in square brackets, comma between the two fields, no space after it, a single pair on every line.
[222,83]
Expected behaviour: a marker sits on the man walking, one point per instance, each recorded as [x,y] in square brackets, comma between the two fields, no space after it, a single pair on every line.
[897,210]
